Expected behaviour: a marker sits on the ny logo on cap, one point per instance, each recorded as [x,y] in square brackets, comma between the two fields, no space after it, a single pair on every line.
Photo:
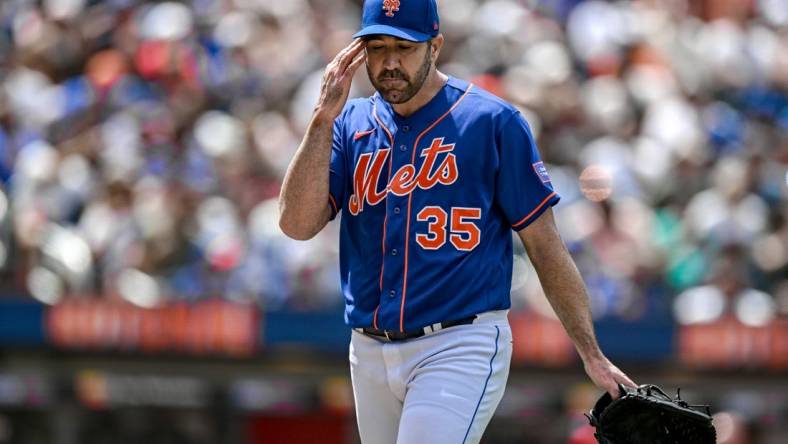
[390,6]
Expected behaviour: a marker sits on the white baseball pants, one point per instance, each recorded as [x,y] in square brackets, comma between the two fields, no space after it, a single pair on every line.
[441,388]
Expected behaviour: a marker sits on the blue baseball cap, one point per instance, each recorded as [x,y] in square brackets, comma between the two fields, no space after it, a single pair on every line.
[414,20]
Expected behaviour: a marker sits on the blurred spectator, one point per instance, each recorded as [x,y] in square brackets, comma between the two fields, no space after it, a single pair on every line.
[726,294]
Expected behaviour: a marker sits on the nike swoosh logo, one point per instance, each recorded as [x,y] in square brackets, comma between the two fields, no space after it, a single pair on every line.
[360,134]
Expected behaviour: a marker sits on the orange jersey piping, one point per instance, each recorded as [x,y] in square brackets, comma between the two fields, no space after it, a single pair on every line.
[410,196]
[385,217]
[539,207]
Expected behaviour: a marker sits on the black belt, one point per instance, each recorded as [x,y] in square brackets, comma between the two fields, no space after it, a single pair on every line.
[396,335]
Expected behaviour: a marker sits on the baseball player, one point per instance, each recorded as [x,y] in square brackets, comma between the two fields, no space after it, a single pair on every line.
[431,173]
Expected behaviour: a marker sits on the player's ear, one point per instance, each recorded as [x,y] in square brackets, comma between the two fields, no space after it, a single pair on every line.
[436,45]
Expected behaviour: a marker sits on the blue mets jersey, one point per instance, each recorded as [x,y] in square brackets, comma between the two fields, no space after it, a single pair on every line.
[428,203]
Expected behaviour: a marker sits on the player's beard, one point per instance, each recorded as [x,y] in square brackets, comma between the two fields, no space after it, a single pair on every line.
[401,95]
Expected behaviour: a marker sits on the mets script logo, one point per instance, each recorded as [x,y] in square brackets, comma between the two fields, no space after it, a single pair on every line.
[368,170]
[390,6]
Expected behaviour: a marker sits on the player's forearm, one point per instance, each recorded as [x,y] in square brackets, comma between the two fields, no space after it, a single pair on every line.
[562,284]
[566,293]
[303,199]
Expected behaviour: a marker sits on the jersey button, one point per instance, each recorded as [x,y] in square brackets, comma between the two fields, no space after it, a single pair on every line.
[394,252]
[405,128]
[403,148]
[396,210]
[392,293]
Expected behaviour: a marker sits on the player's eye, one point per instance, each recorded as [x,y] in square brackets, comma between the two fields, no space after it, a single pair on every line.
[406,47]
[374,48]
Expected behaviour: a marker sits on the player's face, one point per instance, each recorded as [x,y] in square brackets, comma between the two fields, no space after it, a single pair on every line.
[398,68]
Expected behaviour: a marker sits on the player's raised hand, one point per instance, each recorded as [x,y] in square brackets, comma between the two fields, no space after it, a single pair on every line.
[339,73]
[607,376]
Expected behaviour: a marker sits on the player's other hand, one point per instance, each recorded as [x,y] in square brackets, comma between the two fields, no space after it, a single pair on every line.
[337,78]
[607,376]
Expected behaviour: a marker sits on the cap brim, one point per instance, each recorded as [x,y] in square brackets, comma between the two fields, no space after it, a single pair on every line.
[400,33]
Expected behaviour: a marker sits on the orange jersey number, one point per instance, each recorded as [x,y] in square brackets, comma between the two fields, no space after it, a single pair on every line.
[436,230]
[464,234]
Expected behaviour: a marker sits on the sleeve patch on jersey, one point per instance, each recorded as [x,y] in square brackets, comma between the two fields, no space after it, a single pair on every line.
[541,171]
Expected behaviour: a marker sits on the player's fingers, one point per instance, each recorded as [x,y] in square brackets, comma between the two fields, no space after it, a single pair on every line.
[612,388]
[347,58]
[347,49]
[351,69]
[347,53]
[624,380]
[619,379]
[336,64]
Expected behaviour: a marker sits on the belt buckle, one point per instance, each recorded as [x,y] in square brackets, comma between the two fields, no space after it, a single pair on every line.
[386,333]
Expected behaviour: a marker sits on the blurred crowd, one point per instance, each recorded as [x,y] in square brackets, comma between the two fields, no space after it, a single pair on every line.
[143,143]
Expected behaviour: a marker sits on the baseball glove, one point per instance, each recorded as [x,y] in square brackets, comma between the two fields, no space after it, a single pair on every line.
[646,415]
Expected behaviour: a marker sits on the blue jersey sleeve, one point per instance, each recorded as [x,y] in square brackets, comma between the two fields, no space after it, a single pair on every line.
[523,188]
[336,178]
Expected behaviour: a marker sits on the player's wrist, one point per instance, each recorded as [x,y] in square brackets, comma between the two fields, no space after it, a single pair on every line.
[593,357]
[322,116]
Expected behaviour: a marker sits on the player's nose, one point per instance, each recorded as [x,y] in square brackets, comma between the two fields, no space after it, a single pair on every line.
[390,61]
